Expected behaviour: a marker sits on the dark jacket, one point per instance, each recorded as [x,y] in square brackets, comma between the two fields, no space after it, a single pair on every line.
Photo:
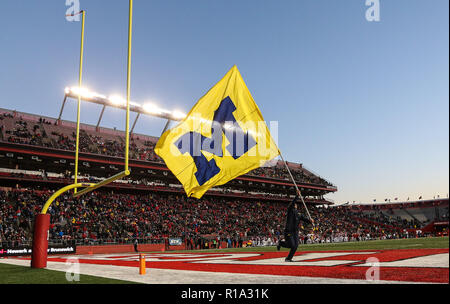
[293,219]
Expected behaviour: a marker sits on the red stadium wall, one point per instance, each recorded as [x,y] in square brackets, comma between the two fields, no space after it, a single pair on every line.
[123,248]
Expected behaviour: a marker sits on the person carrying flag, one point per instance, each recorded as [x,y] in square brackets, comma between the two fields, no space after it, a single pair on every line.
[222,137]
[293,219]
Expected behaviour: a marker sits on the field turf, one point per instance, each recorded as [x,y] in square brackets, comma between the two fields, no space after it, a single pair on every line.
[420,243]
[11,274]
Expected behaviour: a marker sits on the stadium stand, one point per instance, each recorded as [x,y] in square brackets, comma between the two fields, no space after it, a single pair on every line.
[36,158]
[113,217]
[27,129]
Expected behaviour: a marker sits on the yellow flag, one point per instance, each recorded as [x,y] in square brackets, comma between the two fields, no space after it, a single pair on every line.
[223,136]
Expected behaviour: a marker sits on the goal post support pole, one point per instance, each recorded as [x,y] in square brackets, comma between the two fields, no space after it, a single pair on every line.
[40,241]
[41,229]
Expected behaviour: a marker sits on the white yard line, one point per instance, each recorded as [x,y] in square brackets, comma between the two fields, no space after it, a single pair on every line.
[170,276]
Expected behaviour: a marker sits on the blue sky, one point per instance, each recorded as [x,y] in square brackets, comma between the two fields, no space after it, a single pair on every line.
[363,104]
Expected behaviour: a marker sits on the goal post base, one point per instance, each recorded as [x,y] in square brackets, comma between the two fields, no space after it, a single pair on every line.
[40,241]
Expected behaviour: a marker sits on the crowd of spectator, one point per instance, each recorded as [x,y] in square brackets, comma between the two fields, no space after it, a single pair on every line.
[443,216]
[280,172]
[105,214]
[65,138]
[22,134]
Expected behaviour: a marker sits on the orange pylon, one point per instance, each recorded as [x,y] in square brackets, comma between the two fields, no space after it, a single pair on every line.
[142,267]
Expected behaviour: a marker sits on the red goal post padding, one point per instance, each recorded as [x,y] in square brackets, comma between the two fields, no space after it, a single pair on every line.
[40,241]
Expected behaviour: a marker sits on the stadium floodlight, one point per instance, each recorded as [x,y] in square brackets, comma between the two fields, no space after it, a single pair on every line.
[117,101]
[178,115]
[151,108]
[83,92]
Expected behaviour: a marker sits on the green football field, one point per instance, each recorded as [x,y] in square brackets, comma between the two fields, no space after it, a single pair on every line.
[11,274]
[421,243]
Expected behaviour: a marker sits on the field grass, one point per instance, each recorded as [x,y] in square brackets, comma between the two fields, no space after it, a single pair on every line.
[421,243]
[13,274]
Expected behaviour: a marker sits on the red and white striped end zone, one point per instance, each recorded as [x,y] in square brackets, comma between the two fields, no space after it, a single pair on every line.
[405,265]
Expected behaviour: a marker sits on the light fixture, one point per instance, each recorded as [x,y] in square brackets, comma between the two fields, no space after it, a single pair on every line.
[178,114]
[117,100]
[151,108]
[120,102]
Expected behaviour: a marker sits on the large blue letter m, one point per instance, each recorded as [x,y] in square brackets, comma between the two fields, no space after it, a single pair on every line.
[194,143]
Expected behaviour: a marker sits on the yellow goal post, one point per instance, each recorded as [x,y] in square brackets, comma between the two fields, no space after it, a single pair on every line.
[87,187]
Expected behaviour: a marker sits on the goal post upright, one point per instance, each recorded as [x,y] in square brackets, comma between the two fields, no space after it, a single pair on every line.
[127,124]
[126,170]
[80,75]
[42,220]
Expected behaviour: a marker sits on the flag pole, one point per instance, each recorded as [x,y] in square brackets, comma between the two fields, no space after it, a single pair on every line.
[296,187]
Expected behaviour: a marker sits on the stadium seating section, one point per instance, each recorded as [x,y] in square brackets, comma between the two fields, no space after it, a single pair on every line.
[38,131]
[105,216]
[118,214]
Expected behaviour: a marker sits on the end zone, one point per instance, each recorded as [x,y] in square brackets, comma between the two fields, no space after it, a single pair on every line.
[324,267]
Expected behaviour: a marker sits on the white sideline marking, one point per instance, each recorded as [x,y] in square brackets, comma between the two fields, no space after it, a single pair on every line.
[160,257]
[170,276]
[435,261]
[299,260]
